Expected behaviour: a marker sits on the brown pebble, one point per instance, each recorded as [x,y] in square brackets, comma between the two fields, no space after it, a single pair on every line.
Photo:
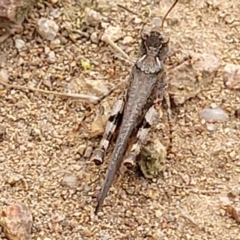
[69,180]
[16,220]
[231,76]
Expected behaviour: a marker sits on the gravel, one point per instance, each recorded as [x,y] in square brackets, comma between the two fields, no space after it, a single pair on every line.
[45,136]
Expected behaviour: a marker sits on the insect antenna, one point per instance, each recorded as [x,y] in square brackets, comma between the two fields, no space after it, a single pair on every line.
[169,10]
[134,13]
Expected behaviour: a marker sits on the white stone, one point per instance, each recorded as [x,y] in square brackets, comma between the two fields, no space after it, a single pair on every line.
[47,28]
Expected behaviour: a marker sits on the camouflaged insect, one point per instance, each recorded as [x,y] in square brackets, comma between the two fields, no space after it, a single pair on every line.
[135,113]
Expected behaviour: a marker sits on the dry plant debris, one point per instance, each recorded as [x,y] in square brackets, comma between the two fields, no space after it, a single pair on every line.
[152,159]
[81,97]
[43,138]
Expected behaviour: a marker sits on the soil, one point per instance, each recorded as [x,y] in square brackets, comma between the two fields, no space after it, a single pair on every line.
[43,137]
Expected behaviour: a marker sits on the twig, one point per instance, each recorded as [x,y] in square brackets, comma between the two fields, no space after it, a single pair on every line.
[127,9]
[82,97]
[105,38]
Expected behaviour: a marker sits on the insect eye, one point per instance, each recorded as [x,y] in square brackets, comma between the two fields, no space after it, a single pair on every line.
[145,36]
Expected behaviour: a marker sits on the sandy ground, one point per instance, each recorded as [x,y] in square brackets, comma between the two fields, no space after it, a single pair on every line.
[41,140]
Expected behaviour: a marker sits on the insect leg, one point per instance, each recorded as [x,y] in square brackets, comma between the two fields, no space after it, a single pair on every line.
[168,103]
[142,135]
[113,122]
[163,93]
[110,92]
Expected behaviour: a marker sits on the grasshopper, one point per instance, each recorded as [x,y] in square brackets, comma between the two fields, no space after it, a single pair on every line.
[135,112]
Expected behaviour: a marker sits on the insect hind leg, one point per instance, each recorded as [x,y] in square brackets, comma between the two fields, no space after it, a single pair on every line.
[113,122]
[142,137]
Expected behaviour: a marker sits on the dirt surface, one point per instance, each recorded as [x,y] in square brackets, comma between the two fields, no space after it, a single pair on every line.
[42,140]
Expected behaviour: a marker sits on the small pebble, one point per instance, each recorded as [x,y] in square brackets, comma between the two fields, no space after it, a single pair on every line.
[51,57]
[46,50]
[47,28]
[235,191]
[127,39]
[137,20]
[211,127]
[69,180]
[214,115]
[157,21]
[13,178]
[4,75]
[53,1]
[26,75]
[16,220]
[88,152]
[158,213]
[183,83]
[77,167]
[98,125]
[81,149]
[113,32]
[55,13]
[55,43]
[19,43]
[93,18]
[231,76]
[94,37]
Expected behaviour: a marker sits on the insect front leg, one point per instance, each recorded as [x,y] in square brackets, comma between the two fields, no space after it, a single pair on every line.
[142,136]
[113,121]
[168,103]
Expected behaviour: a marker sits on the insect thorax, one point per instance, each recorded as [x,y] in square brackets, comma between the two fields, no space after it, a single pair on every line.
[149,64]
[153,50]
